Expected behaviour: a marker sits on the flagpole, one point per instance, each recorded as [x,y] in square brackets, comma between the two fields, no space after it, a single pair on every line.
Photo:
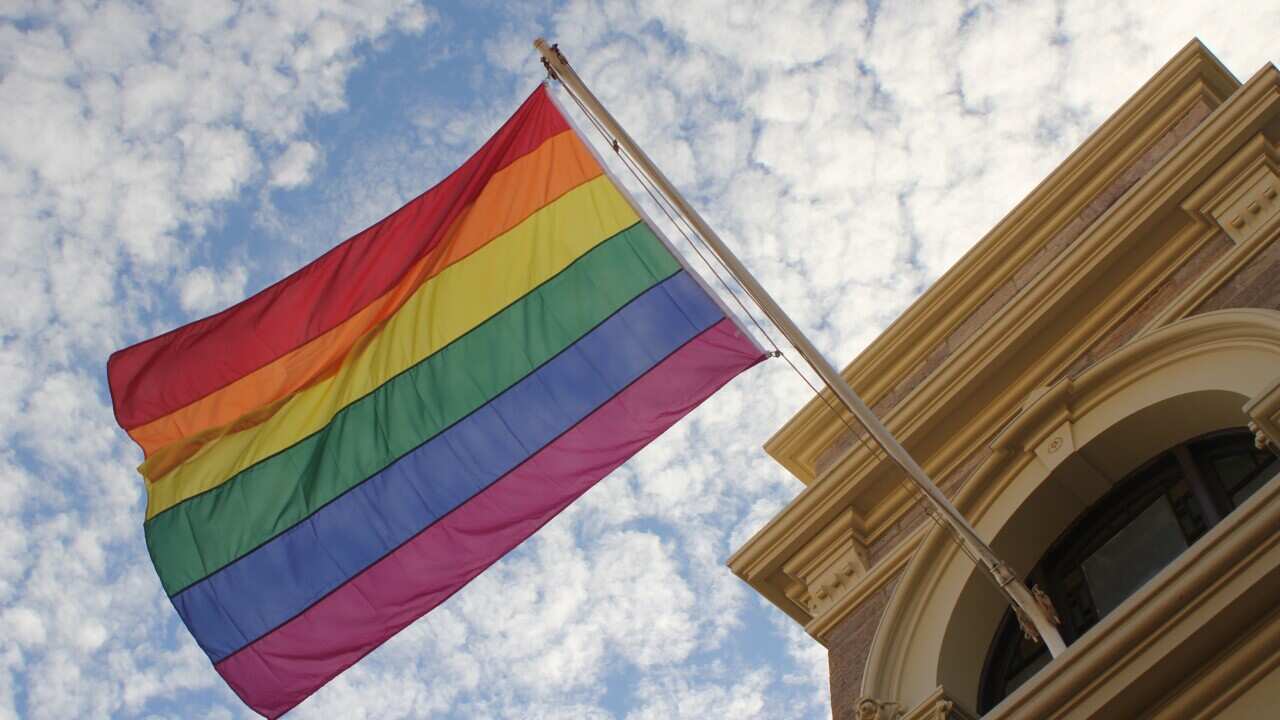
[1036,618]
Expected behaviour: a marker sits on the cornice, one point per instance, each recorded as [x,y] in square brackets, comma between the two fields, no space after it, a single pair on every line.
[820,627]
[1191,76]
[1103,257]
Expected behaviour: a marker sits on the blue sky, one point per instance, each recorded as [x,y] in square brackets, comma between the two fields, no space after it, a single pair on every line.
[161,160]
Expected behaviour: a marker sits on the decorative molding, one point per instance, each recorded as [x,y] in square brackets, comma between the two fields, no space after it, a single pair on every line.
[1058,446]
[1230,675]
[1191,78]
[870,709]
[1243,195]
[1235,182]
[1261,440]
[820,627]
[825,569]
[1194,350]
[938,707]
[1050,412]
[1263,410]
[949,418]
[1183,621]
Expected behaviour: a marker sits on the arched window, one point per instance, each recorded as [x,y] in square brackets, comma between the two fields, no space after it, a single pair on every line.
[1124,539]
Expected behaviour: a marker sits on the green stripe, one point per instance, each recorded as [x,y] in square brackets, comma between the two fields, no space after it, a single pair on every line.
[195,538]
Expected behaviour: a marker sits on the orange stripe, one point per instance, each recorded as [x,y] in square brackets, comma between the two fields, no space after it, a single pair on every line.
[557,166]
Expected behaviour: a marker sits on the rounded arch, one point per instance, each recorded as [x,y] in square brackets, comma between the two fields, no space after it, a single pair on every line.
[1070,443]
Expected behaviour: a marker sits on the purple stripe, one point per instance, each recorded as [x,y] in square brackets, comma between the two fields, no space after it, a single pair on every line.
[264,588]
[281,669]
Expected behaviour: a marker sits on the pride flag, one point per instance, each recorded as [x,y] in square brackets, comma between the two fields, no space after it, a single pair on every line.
[335,456]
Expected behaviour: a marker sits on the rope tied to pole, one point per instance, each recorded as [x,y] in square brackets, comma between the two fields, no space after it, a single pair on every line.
[936,504]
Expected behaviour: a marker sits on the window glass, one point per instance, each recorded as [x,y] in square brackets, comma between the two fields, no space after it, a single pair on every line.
[1234,469]
[1075,603]
[1133,555]
[1187,508]
[1243,492]
[1236,465]
[1022,675]
[1129,535]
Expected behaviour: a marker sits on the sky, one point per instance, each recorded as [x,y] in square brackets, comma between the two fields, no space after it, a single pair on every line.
[162,160]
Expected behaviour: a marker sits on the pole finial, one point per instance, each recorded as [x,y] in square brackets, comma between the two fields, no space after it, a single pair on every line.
[551,57]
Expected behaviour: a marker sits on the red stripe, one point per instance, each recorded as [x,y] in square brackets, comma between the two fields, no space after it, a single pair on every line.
[168,372]
[283,668]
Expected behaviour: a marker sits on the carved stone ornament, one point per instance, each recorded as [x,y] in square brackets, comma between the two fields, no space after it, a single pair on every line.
[827,567]
[1243,196]
[947,710]
[1042,599]
[870,709]
[1260,438]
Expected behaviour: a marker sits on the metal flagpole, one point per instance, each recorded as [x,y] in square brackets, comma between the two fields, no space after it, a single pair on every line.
[1036,616]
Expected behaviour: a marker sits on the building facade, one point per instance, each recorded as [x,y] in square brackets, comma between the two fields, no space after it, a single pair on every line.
[1096,385]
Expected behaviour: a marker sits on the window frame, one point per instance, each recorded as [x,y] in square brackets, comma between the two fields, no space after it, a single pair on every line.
[1209,501]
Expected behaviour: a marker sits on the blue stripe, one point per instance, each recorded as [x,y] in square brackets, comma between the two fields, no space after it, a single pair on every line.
[269,586]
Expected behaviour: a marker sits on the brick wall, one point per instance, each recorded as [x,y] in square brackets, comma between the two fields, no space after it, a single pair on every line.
[848,648]
[1257,284]
[1157,300]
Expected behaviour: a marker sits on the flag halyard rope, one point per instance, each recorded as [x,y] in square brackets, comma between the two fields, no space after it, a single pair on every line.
[694,240]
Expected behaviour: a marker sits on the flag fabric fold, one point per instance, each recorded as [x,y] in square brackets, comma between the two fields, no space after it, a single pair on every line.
[335,456]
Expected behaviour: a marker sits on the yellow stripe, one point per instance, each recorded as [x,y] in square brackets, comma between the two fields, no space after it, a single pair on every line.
[443,309]
[511,195]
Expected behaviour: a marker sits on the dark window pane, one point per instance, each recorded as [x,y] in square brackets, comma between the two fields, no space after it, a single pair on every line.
[1077,607]
[1234,470]
[1041,659]
[1187,508]
[1243,492]
[1134,555]
[1235,464]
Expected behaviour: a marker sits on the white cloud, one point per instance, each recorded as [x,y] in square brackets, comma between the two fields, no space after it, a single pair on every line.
[849,159]
[216,162]
[810,676]
[293,166]
[555,617]
[676,697]
[129,130]
[24,625]
[203,291]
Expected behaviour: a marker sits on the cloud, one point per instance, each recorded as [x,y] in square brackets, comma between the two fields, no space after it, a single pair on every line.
[24,626]
[293,167]
[131,132]
[201,290]
[678,697]
[850,152]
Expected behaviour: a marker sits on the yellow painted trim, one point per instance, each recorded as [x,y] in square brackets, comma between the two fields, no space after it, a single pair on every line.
[1076,299]
[1192,76]
[1172,361]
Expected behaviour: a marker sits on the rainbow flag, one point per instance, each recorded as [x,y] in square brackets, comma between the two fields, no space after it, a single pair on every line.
[335,456]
